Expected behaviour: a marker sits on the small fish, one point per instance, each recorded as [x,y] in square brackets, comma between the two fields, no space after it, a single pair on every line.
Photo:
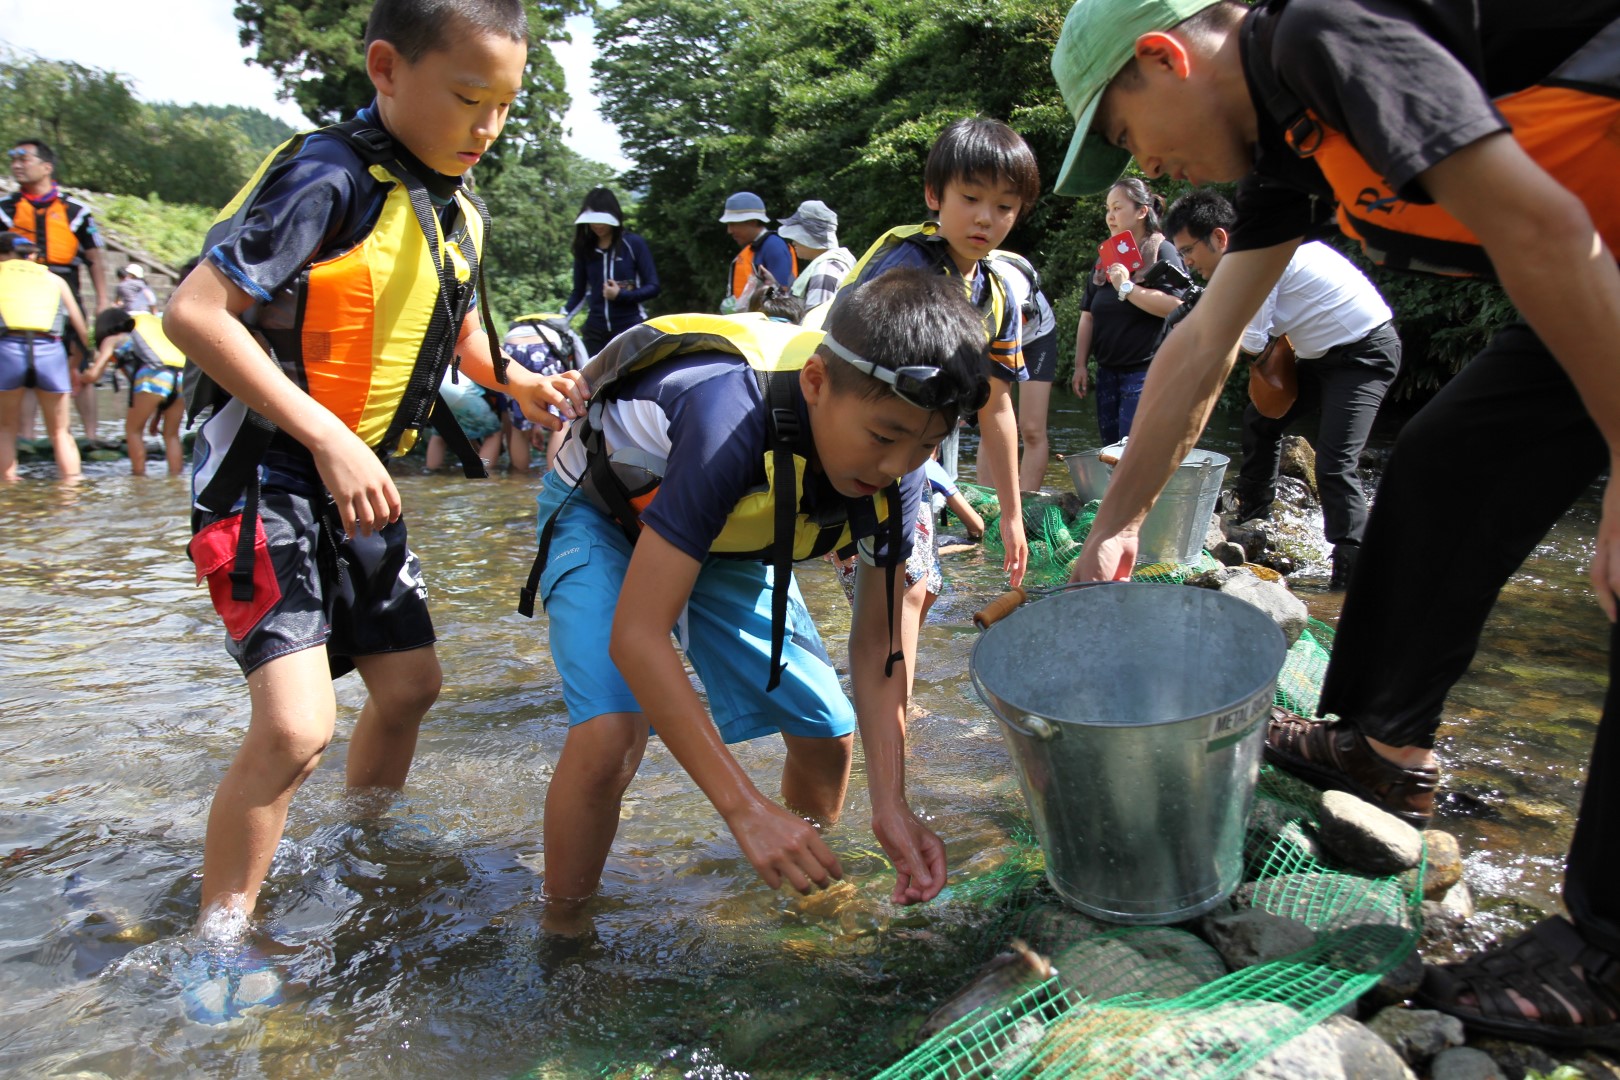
[998,983]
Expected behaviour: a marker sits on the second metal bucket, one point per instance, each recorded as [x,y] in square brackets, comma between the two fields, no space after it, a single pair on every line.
[1134,715]
[1175,528]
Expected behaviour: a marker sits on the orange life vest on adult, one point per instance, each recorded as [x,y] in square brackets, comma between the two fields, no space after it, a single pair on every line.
[743,264]
[1569,124]
[54,228]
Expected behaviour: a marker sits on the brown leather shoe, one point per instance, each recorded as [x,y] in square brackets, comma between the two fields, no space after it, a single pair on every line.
[1335,755]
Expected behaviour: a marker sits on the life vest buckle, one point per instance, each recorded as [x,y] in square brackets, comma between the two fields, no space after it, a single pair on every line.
[1304,136]
[786,423]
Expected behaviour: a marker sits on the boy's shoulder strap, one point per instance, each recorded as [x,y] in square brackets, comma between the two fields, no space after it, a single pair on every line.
[1281,104]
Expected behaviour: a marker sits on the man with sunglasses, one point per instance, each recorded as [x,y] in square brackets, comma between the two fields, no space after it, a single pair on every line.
[66,237]
[1349,354]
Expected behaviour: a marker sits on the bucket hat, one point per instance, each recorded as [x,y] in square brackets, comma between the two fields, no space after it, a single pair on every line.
[134,270]
[1098,39]
[814,224]
[745,206]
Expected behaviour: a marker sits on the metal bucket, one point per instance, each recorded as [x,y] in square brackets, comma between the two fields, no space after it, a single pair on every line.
[1134,715]
[1175,528]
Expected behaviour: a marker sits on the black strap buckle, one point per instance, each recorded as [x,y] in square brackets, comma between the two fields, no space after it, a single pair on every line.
[786,424]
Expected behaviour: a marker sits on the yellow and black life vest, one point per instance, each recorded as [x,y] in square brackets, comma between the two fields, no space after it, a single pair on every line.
[30,299]
[993,303]
[743,264]
[767,524]
[151,345]
[368,332]
[53,228]
[1569,124]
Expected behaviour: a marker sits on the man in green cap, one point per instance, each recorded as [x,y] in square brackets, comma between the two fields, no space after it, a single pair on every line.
[1452,136]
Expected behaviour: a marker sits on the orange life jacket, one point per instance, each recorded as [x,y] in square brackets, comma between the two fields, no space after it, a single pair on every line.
[1569,124]
[743,264]
[55,229]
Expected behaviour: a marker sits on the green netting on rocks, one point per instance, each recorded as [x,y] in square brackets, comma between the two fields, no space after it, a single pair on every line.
[1158,1001]
[1056,526]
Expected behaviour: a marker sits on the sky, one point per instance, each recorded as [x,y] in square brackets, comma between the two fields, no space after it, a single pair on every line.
[186,51]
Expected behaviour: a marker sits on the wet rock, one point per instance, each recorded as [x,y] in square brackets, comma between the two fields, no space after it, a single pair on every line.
[1464,1063]
[1398,984]
[1443,863]
[1442,929]
[1299,462]
[1272,597]
[1106,968]
[1180,947]
[1214,534]
[1367,838]
[1292,491]
[1277,835]
[1597,1065]
[1459,900]
[1000,982]
[1228,554]
[1246,938]
[1417,1034]
[1050,928]
[1362,1054]
[1313,1054]
[1516,1059]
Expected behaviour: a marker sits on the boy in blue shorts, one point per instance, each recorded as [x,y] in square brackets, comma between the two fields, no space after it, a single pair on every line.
[334,292]
[980,180]
[711,412]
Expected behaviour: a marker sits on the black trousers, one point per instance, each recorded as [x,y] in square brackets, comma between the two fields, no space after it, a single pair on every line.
[1458,486]
[1346,385]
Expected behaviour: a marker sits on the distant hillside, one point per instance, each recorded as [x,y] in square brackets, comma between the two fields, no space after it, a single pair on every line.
[263,131]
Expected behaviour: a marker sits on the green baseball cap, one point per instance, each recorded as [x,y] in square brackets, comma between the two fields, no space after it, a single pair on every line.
[1098,40]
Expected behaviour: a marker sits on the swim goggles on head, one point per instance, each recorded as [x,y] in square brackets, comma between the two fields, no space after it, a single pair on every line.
[926,387]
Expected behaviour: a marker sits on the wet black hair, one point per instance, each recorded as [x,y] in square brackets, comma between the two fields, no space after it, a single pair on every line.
[908,316]
[417,27]
[1137,191]
[113,321]
[42,149]
[777,302]
[1199,213]
[603,200]
[979,149]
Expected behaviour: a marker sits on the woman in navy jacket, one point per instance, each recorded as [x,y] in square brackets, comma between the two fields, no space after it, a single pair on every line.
[613,271]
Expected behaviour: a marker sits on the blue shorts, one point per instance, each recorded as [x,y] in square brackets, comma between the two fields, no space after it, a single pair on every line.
[48,372]
[162,381]
[725,632]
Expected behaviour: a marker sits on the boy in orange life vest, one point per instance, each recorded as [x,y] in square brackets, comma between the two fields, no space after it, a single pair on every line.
[1399,111]
[298,259]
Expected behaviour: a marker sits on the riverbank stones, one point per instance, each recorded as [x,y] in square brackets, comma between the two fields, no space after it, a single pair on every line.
[1366,838]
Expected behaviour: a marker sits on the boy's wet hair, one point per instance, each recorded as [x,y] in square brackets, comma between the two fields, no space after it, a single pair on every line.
[777,302]
[1199,213]
[417,27]
[905,317]
[982,150]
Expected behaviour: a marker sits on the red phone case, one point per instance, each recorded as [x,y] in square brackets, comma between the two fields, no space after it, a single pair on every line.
[1120,248]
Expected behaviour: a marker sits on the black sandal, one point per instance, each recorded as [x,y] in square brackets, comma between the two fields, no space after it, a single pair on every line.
[1538,965]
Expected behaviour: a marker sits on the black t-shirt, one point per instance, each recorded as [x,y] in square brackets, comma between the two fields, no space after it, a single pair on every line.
[1408,82]
[1123,336]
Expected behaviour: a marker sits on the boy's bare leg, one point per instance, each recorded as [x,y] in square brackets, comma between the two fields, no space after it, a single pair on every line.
[135,431]
[10,423]
[54,409]
[598,761]
[400,688]
[293,714]
[815,776]
[27,412]
[172,451]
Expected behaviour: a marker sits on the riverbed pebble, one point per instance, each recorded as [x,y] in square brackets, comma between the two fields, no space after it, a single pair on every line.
[1366,838]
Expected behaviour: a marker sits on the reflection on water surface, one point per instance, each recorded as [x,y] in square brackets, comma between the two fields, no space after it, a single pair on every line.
[410,942]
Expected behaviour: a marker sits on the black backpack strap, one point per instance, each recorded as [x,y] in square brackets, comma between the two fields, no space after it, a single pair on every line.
[242,567]
[456,441]
[1281,104]
[892,572]
[783,422]
[531,588]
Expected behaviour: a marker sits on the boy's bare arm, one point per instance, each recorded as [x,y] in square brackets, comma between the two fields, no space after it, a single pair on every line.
[969,517]
[780,845]
[203,320]
[999,443]
[535,394]
[1555,267]
[1183,384]
[75,314]
[917,853]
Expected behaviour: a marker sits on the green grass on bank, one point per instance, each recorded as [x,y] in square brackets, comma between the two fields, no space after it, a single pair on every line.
[171,231]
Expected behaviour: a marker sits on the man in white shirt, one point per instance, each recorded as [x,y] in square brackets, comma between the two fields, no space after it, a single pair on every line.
[1348,352]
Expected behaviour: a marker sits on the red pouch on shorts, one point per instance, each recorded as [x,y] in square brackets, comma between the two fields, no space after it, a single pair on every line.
[213,550]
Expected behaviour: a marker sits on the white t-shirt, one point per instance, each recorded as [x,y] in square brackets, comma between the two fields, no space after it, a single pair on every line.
[1322,301]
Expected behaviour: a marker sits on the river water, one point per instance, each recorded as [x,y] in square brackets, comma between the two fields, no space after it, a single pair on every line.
[409,943]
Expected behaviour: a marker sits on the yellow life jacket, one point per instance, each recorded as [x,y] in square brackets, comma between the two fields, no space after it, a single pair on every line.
[1569,125]
[152,346]
[994,306]
[767,524]
[30,299]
